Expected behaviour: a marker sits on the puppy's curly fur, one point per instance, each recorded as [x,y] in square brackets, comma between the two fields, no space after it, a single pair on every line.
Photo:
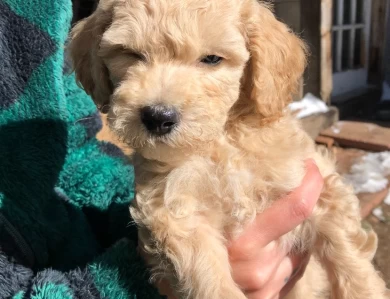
[235,150]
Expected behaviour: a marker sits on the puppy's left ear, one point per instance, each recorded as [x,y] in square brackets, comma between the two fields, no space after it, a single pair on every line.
[84,45]
[277,60]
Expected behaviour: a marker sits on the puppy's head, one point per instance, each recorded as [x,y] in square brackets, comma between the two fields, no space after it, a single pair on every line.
[169,72]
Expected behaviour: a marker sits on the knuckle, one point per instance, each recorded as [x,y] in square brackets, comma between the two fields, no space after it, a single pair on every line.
[257,278]
[301,211]
[240,252]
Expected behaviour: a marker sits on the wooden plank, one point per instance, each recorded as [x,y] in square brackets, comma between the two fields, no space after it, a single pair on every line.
[387,45]
[316,24]
[326,51]
[367,33]
[365,136]
[310,28]
[329,142]
[339,48]
[352,35]
[377,41]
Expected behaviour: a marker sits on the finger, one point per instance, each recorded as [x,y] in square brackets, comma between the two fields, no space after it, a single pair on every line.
[288,273]
[296,276]
[253,273]
[284,215]
[277,282]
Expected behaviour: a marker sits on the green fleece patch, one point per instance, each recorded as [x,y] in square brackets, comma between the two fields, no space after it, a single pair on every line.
[64,192]
[51,291]
[19,295]
[112,278]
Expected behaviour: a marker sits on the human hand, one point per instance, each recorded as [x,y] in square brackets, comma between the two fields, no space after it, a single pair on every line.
[260,267]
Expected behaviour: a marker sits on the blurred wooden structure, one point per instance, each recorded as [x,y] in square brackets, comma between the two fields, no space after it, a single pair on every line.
[311,19]
[349,42]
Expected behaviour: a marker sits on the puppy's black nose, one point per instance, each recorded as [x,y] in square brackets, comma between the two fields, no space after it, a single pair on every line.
[159,119]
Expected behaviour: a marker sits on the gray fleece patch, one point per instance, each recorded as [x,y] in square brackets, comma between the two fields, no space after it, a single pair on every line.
[13,277]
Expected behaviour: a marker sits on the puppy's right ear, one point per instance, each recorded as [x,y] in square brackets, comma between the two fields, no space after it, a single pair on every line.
[277,62]
[84,44]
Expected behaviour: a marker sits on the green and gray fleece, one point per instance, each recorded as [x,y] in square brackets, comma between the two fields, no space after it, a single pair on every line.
[64,196]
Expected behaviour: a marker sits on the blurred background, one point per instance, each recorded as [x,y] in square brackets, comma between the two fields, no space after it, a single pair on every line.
[344,99]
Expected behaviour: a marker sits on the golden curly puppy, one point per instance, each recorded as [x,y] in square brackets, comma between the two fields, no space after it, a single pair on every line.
[199,88]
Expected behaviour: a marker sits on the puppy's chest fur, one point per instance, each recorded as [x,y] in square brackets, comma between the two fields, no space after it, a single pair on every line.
[234,179]
[187,210]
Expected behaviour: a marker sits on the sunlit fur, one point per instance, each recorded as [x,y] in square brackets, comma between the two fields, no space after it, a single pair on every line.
[235,150]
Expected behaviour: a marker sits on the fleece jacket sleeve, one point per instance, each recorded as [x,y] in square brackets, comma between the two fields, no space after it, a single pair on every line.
[118,274]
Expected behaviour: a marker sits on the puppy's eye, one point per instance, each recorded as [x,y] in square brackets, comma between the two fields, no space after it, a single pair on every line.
[212,59]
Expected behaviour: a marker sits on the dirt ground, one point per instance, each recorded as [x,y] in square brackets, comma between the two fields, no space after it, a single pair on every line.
[382,228]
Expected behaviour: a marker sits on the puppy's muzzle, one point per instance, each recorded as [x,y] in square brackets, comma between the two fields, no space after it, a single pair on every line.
[159,119]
